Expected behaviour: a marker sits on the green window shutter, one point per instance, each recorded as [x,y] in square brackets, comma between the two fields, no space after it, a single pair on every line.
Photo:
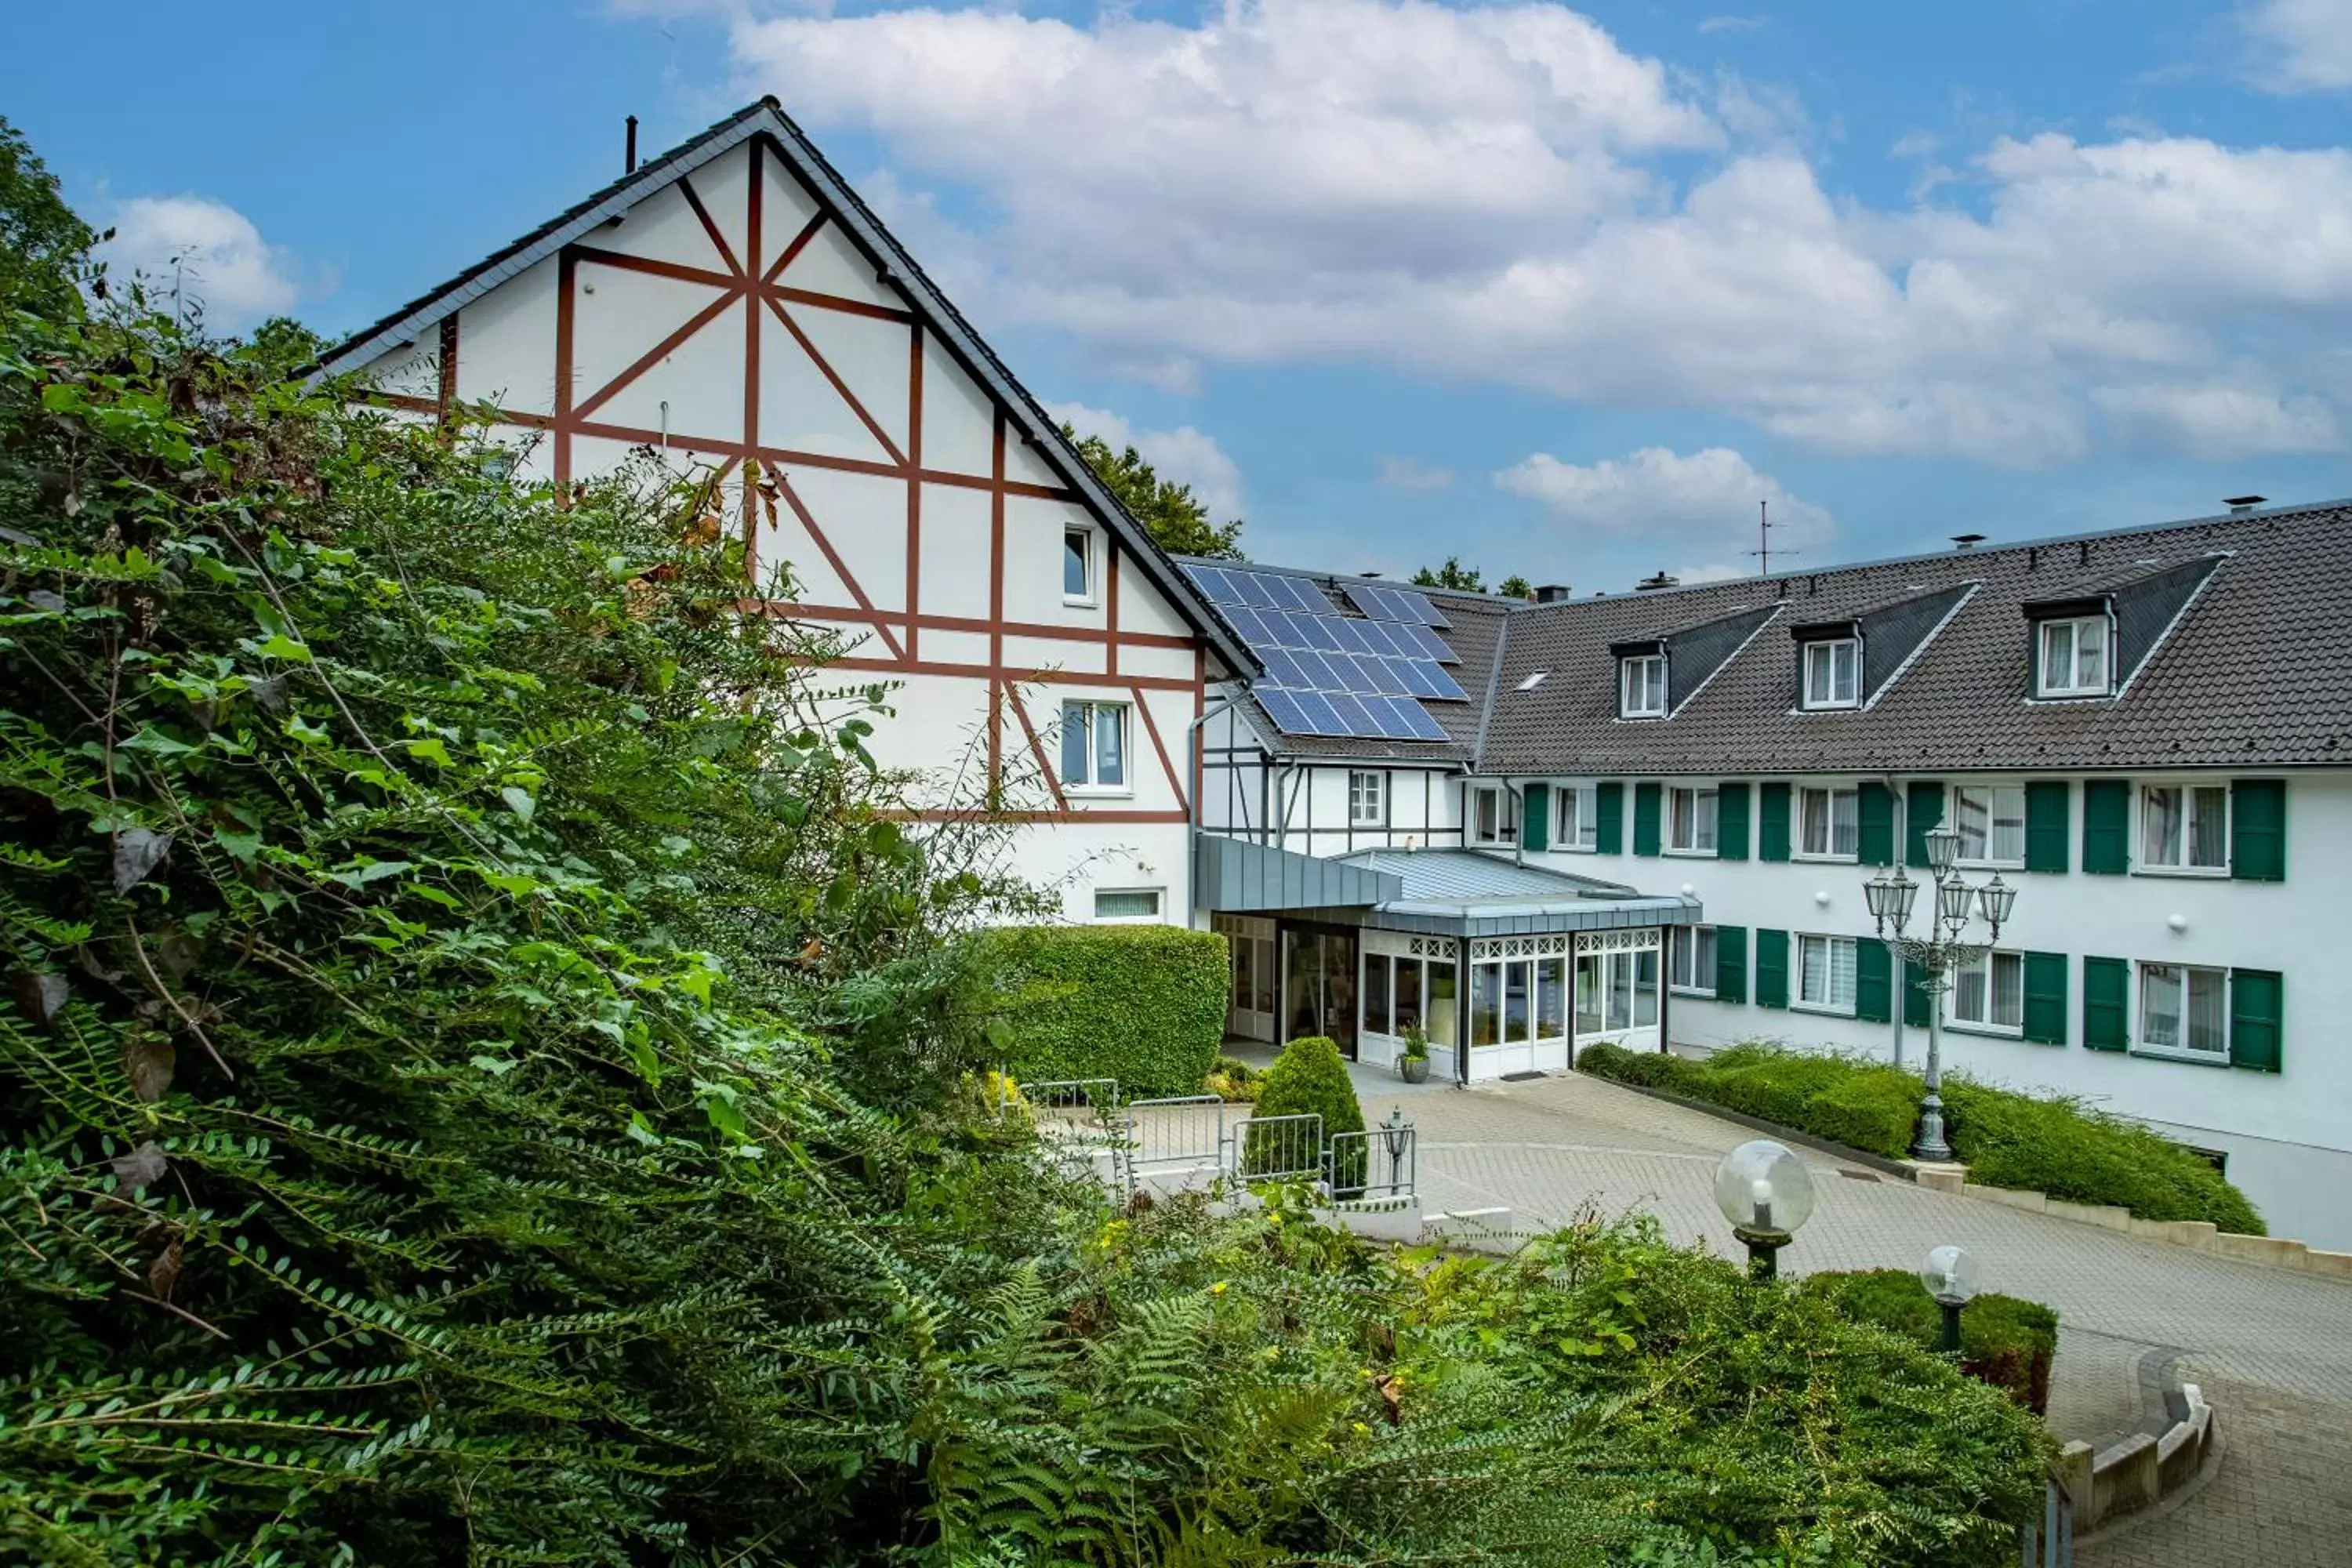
[1914,995]
[1772,822]
[1923,810]
[2107,827]
[1874,981]
[1646,818]
[1535,823]
[2256,998]
[2045,997]
[1877,811]
[1771,968]
[2107,1003]
[2258,830]
[1731,822]
[2048,802]
[1609,818]
[1731,963]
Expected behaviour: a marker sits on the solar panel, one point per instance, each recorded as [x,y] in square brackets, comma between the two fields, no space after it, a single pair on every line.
[1244,621]
[1317,631]
[1381,640]
[1257,593]
[1322,718]
[1425,643]
[1216,584]
[1283,709]
[1423,727]
[1332,674]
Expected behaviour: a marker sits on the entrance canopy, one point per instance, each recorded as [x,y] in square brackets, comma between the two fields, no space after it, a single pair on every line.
[1450,892]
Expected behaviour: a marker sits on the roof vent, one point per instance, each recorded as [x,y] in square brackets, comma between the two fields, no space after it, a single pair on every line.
[1552,593]
[1655,583]
[1967,541]
[629,156]
[2240,505]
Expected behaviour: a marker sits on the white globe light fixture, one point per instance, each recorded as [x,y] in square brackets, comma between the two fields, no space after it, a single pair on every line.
[1766,1194]
[1951,1277]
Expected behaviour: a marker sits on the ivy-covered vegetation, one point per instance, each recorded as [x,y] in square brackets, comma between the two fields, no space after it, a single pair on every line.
[2045,1144]
[1142,1004]
[2007,1341]
[486,1078]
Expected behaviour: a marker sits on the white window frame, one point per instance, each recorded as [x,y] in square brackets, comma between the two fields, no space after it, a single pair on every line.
[1088,597]
[1991,793]
[2144,1042]
[2149,865]
[1368,798]
[1824,654]
[1682,944]
[1830,794]
[1581,804]
[1626,708]
[1089,786]
[1831,1003]
[1706,822]
[1158,897]
[1507,827]
[2045,634]
[1988,962]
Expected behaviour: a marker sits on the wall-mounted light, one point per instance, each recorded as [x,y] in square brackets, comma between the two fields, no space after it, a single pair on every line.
[1822,898]
[2178,922]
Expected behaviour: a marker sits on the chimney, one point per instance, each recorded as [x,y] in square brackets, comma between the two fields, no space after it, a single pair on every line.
[1654,584]
[1552,593]
[1967,541]
[629,162]
[2240,505]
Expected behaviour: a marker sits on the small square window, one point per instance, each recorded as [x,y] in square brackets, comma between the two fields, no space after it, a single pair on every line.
[2184,1009]
[1094,745]
[1112,904]
[2074,661]
[2184,828]
[1368,803]
[1642,687]
[1828,823]
[1078,565]
[1579,824]
[1690,821]
[1825,972]
[1834,673]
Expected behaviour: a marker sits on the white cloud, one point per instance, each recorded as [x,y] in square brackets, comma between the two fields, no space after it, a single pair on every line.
[1703,502]
[1405,474]
[2222,418]
[1506,195]
[2308,44]
[1731,24]
[209,251]
[1186,455]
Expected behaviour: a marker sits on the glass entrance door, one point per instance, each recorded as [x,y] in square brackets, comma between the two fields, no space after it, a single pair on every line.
[1318,987]
[1617,997]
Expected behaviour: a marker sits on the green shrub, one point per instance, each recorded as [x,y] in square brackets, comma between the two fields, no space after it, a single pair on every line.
[2005,1341]
[1233,1080]
[2007,1139]
[1144,1004]
[1309,1076]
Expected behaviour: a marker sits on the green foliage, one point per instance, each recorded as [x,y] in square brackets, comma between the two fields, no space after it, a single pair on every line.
[2008,1139]
[2005,1341]
[1310,1077]
[1176,520]
[43,246]
[1233,1080]
[1452,574]
[1141,1003]
[1416,1043]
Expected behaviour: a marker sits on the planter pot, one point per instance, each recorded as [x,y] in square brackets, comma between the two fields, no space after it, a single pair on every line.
[1413,1069]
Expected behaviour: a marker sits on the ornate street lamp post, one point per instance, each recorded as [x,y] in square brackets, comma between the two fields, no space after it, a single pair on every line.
[1944,947]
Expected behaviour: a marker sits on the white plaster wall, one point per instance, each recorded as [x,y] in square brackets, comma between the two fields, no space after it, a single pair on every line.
[2289,1134]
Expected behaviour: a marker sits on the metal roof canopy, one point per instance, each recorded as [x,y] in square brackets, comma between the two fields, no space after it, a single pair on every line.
[1452,892]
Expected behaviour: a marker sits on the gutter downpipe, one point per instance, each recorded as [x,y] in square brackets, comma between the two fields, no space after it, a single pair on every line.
[1193,758]
[1902,838]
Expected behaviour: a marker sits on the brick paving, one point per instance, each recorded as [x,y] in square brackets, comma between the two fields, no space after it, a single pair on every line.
[2272,1349]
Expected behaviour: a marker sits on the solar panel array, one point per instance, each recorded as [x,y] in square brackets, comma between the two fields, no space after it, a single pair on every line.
[1330,673]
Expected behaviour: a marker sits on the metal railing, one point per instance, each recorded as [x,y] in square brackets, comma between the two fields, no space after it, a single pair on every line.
[1382,1164]
[1072,1104]
[1180,1136]
[2051,1544]
[1277,1149]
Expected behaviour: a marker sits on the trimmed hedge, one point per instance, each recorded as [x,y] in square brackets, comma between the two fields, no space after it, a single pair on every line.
[1311,1076]
[2005,1341]
[1141,1003]
[2035,1144]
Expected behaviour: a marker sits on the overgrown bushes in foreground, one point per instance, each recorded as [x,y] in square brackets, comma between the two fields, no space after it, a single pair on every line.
[2034,1142]
[2006,1340]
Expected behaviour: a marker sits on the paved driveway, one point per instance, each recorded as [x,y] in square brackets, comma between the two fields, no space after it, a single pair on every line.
[2273,1348]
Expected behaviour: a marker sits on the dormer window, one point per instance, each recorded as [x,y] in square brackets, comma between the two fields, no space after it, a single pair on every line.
[1834,673]
[2074,659]
[1642,686]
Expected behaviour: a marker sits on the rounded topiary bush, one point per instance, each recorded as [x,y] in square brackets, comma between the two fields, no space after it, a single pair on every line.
[1309,1076]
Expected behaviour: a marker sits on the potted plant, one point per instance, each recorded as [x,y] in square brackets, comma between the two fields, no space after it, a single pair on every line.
[1413,1065]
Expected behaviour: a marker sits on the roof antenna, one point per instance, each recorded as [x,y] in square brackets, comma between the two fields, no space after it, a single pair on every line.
[1763,550]
[630,165]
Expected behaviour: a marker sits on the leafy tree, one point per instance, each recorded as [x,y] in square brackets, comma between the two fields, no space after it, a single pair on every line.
[1516,587]
[1174,517]
[1470,580]
[43,246]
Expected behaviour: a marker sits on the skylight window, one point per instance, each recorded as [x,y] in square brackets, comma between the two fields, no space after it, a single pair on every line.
[1532,681]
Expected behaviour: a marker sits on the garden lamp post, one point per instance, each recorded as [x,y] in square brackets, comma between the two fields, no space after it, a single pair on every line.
[1766,1192]
[1950,1276]
[1945,945]
[1396,1137]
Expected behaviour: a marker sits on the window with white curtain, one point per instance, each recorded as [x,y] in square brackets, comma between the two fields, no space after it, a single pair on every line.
[2182,1008]
[1989,991]
[2184,828]
[1825,971]
[1580,826]
[1834,673]
[1829,823]
[1642,687]
[1690,821]
[2074,657]
[1094,745]
[1991,821]
[1693,968]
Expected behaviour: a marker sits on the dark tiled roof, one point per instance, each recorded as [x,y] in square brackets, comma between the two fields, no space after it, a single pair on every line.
[2252,674]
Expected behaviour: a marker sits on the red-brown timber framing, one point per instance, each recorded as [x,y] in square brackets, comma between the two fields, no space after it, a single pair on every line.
[753,278]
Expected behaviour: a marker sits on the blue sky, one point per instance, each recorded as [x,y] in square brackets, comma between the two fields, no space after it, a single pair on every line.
[1564,291]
